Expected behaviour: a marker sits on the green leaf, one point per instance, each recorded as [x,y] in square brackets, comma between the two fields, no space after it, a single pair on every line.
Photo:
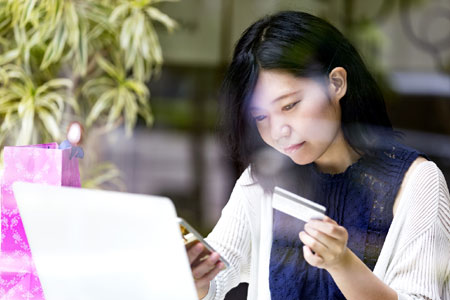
[146,113]
[157,15]
[27,12]
[56,47]
[82,53]
[9,56]
[52,108]
[73,103]
[52,97]
[10,121]
[97,85]
[117,108]
[49,123]
[25,105]
[26,129]
[18,89]
[5,108]
[7,97]
[130,57]
[100,105]
[55,84]
[119,12]
[139,69]
[19,34]
[131,111]
[70,13]
[157,54]
[138,87]
[109,68]
[127,32]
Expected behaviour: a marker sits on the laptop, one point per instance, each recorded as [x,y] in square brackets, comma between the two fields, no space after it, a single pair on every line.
[92,244]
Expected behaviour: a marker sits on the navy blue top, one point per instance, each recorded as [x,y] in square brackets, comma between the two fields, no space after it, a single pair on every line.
[360,199]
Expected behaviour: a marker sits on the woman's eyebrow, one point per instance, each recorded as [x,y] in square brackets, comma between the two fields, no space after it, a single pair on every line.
[285,96]
[253,107]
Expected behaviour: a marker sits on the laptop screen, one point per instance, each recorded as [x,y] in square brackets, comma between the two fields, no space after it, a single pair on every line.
[92,244]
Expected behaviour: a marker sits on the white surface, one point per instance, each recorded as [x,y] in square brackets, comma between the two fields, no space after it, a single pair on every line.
[91,244]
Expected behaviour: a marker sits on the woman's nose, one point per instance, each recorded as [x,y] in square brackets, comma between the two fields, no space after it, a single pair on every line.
[280,131]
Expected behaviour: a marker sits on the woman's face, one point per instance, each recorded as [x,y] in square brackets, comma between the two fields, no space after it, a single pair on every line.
[295,116]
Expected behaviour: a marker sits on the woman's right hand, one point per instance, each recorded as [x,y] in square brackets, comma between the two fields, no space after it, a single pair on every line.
[203,269]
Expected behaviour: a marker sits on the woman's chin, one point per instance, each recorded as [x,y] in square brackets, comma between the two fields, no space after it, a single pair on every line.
[301,160]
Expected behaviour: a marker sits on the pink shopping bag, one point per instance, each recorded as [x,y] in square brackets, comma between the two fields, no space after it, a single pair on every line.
[43,163]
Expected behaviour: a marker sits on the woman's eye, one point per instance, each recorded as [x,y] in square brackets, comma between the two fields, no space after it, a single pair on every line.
[290,106]
[259,118]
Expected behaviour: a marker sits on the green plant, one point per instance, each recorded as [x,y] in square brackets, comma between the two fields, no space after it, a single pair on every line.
[83,60]
[30,110]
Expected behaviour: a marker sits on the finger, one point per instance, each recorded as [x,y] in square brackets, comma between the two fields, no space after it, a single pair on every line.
[205,266]
[331,229]
[329,220]
[204,281]
[326,240]
[191,244]
[312,243]
[203,256]
[194,252]
[311,258]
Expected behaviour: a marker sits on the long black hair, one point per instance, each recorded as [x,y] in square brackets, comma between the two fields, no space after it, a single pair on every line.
[304,46]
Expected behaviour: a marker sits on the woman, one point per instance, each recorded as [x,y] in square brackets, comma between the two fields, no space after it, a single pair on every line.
[297,86]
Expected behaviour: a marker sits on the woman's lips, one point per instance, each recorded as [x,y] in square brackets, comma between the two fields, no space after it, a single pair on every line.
[293,148]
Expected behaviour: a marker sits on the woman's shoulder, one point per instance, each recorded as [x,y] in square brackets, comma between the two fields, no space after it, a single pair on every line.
[425,204]
[246,177]
[247,184]
[397,150]
[424,189]
[249,194]
[424,172]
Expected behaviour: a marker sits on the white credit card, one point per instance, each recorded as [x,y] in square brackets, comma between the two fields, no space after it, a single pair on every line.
[296,206]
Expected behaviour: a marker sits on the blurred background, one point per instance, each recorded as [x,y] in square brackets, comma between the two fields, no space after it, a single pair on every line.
[405,43]
[170,147]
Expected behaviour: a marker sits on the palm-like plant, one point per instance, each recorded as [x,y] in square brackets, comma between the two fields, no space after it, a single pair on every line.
[137,33]
[119,92]
[86,59]
[29,109]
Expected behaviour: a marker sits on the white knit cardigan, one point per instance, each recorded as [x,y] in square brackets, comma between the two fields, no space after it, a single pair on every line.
[414,260]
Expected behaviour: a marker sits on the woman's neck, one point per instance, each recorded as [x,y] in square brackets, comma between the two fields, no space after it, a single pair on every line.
[338,157]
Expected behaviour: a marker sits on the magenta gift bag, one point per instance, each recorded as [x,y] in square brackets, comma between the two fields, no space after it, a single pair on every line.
[43,163]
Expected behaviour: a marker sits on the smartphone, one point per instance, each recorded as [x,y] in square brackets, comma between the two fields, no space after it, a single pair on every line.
[191,235]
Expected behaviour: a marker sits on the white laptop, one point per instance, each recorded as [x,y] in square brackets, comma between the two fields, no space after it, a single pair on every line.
[92,245]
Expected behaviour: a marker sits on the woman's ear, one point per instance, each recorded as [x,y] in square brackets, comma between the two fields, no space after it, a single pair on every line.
[338,83]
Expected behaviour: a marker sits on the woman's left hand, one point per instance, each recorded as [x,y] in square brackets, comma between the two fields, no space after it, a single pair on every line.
[325,243]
